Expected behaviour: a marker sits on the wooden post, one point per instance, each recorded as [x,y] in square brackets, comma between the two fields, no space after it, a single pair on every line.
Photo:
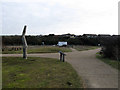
[24,43]
[63,57]
[60,55]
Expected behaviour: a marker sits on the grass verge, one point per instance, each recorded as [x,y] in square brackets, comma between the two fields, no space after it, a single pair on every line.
[83,47]
[38,49]
[38,72]
[113,63]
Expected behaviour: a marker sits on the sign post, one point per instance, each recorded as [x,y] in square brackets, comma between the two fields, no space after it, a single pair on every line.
[62,56]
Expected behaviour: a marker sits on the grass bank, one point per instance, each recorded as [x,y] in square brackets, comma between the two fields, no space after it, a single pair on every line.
[83,47]
[38,72]
[37,49]
[112,63]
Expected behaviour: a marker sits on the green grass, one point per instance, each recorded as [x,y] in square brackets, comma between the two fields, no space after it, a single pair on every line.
[83,47]
[38,72]
[113,63]
[39,49]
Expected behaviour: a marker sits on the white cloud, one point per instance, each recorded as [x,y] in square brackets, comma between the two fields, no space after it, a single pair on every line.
[60,16]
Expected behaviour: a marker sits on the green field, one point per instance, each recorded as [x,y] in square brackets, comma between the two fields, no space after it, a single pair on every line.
[113,63]
[83,47]
[38,72]
[37,49]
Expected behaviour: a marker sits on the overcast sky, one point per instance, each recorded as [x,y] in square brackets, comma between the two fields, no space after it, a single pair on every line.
[60,17]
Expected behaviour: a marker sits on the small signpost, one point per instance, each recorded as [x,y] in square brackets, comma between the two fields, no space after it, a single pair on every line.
[62,56]
[24,43]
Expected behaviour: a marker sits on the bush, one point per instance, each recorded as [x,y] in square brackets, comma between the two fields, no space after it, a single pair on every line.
[111,47]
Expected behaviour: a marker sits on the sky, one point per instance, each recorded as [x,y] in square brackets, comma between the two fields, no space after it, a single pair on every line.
[44,17]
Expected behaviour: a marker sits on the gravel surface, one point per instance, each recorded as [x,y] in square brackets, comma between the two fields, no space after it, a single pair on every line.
[95,73]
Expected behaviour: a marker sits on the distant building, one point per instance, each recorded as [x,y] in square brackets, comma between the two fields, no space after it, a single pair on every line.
[90,35]
[62,44]
[104,35]
[72,36]
[69,35]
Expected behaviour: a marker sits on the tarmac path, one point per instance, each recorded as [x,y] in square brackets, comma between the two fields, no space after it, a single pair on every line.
[95,73]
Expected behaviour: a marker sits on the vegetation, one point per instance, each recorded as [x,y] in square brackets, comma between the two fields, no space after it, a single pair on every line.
[50,40]
[110,51]
[82,48]
[38,72]
[48,49]
[111,47]
[111,62]
[37,49]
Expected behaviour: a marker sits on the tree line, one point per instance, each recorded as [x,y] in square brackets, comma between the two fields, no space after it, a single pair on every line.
[49,40]
[110,45]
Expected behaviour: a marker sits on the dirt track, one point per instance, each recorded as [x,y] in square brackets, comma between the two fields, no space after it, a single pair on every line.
[94,72]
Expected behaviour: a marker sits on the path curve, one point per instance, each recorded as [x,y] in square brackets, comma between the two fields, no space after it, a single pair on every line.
[95,73]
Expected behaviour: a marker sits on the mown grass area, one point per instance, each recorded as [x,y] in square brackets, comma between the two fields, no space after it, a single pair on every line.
[83,47]
[38,72]
[113,63]
[38,49]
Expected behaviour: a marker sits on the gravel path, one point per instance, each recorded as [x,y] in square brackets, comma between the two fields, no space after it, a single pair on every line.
[95,73]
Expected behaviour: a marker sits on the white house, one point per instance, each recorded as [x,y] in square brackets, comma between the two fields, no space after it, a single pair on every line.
[62,44]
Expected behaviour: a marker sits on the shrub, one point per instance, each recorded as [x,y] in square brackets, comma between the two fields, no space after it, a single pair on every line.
[111,47]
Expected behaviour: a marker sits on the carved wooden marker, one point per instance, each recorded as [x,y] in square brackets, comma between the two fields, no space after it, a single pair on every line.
[24,43]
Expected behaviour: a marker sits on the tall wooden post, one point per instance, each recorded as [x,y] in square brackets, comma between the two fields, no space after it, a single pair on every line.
[24,43]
